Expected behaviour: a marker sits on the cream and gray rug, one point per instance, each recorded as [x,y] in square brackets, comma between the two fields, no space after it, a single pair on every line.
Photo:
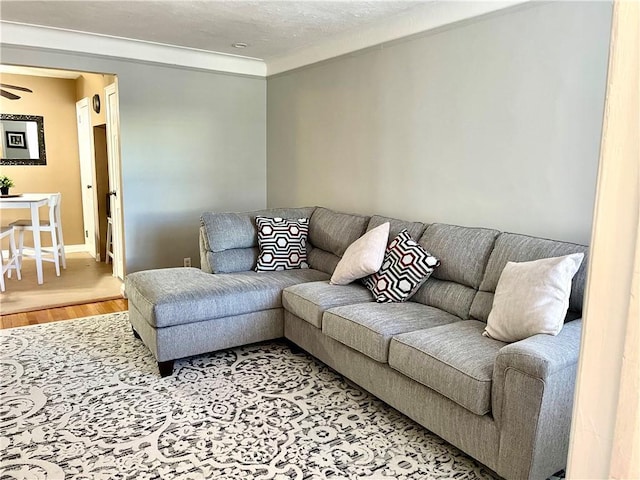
[82,399]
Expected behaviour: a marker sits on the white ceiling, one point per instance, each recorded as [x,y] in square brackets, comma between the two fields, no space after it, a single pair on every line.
[280,34]
[270,28]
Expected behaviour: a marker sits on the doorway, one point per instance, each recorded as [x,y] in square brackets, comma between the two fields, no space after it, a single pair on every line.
[54,94]
[102,187]
[94,177]
[99,149]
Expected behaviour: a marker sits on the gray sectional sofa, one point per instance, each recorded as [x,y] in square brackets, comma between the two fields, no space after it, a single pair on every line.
[507,405]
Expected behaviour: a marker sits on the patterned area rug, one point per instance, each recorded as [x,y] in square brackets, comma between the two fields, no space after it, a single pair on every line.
[82,399]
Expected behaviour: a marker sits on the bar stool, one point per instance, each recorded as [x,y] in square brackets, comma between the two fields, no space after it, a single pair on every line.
[53,226]
[109,246]
[14,260]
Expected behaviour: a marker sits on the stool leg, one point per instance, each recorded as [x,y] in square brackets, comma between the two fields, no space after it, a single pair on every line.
[20,246]
[56,251]
[2,286]
[14,257]
[63,255]
[107,247]
[11,258]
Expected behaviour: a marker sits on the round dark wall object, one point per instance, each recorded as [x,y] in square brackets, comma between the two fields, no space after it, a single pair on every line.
[96,103]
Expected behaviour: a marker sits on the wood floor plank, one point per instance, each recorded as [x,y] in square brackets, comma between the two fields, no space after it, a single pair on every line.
[63,313]
[59,314]
[39,316]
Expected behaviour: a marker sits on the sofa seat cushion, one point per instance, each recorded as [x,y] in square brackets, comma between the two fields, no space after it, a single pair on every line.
[310,300]
[174,296]
[369,327]
[455,360]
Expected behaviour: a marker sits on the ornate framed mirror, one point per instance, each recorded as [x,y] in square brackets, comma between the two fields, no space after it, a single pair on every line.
[22,140]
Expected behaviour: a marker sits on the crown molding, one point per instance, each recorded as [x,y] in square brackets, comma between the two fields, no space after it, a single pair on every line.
[419,20]
[40,72]
[19,34]
[416,21]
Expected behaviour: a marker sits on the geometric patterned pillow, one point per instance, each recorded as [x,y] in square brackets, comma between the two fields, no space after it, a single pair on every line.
[283,243]
[406,266]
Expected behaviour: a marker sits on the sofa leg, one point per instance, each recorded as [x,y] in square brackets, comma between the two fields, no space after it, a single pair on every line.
[135,334]
[295,349]
[165,368]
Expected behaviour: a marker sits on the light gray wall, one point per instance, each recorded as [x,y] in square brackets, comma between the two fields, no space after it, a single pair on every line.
[494,122]
[191,141]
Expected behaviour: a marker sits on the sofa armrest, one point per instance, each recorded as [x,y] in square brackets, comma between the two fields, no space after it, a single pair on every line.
[541,356]
[532,400]
[205,250]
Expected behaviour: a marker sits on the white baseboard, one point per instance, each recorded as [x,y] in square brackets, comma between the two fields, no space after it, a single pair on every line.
[75,248]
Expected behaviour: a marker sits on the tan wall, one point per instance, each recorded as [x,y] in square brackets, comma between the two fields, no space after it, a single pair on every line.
[54,99]
[87,85]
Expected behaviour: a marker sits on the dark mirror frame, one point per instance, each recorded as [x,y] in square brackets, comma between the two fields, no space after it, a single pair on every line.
[43,153]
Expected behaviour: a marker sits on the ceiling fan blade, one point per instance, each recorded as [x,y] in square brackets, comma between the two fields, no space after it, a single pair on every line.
[8,95]
[15,87]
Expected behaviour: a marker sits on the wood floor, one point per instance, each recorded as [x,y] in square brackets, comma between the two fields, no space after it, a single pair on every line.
[62,313]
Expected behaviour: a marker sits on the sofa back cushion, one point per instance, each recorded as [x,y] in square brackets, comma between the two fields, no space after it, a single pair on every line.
[415,229]
[229,241]
[330,233]
[463,253]
[511,247]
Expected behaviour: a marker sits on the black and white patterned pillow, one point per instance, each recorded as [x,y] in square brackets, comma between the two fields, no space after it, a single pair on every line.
[282,242]
[406,266]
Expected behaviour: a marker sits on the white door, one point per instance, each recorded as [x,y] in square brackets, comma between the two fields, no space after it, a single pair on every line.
[87,179]
[115,178]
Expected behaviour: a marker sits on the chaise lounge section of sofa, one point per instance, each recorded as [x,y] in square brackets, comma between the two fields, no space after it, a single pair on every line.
[507,405]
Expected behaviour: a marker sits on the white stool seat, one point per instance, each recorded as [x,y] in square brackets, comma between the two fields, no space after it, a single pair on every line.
[14,261]
[25,222]
[55,253]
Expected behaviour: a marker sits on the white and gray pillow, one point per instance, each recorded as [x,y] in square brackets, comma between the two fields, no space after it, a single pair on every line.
[406,266]
[282,243]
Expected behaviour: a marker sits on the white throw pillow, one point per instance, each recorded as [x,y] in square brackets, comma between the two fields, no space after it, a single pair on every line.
[363,257]
[532,298]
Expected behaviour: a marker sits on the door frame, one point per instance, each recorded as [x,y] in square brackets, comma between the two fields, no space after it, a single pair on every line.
[114,162]
[87,164]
